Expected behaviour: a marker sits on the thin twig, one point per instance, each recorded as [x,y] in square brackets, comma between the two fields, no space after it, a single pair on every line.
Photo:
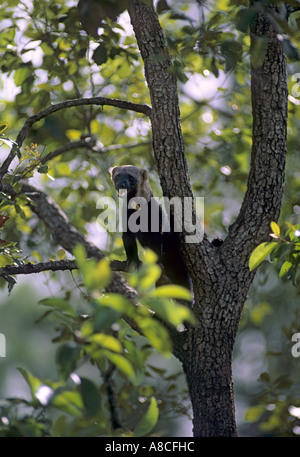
[107,378]
[82,143]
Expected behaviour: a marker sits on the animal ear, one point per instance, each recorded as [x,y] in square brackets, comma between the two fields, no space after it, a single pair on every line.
[144,174]
[113,172]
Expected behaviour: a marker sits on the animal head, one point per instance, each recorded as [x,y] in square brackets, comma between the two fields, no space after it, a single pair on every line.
[131,181]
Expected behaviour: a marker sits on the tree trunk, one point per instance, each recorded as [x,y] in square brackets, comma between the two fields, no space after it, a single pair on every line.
[220,275]
[207,366]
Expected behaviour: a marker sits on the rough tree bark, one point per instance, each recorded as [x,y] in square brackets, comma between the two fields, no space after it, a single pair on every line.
[220,275]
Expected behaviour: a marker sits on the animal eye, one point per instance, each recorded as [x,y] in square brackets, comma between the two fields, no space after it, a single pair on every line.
[131,180]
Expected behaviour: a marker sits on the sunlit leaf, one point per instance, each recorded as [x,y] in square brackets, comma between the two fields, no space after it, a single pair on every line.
[260,253]
[117,302]
[254,413]
[21,74]
[106,341]
[101,274]
[275,228]
[168,310]
[96,275]
[5,259]
[149,420]
[61,254]
[33,382]
[259,312]
[3,127]
[122,363]
[171,291]
[155,333]
[69,402]
[286,266]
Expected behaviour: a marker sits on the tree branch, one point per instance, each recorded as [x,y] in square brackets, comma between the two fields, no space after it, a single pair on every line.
[168,144]
[108,382]
[165,115]
[54,265]
[101,101]
[262,201]
[29,268]
[88,143]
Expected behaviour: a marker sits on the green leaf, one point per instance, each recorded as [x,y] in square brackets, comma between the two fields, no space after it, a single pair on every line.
[90,396]
[162,6]
[3,127]
[260,253]
[177,69]
[121,363]
[116,302]
[171,291]
[169,310]
[66,359]
[146,277]
[254,413]
[148,422]
[61,254]
[215,20]
[275,228]
[106,341]
[155,333]
[95,275]
[33,382]
[232,52]
[290,50]
[101,274]
[100,55]
[58,303]
[259,312]
[43,169]
[21,74]
[244,18]
[104,318]
[5,260]
[69,402]
[285,268]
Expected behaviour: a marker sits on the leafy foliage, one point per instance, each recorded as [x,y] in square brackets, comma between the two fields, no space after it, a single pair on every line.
[102,338]
[52,53]
[287,247]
